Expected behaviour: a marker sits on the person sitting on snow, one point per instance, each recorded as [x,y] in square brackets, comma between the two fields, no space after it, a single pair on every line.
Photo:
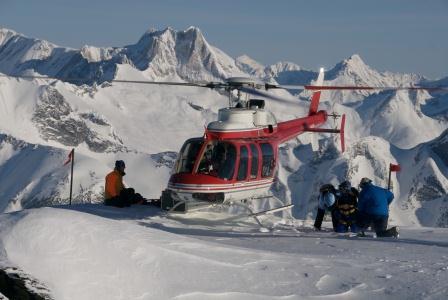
[373,209]
[346,207]
[326,202]
[116,193]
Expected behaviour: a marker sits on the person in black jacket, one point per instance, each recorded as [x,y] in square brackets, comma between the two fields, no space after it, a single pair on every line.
[346,207]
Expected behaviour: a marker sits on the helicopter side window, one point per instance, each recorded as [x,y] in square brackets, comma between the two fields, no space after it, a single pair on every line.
[228,163]
[187,156]
[218,160]
[244,162]
[254,165]
[268,160]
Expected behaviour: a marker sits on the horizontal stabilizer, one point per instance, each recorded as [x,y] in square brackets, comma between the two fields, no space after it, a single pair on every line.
[341,131]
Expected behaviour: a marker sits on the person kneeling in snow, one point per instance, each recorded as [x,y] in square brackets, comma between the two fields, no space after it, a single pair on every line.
[373,209]
[116,193]
[327,201]
[346,207]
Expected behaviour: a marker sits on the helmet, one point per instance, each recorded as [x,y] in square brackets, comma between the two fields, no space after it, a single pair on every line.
[345,185]
[326,188]
[119,164]
[365,181]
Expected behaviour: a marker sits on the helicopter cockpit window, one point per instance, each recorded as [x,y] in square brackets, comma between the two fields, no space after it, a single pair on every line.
[268,160]
[218,160]
[244,163]
[187,156]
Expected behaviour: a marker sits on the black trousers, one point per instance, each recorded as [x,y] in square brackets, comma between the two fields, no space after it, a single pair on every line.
[320,217]
[126,198]
[378,223]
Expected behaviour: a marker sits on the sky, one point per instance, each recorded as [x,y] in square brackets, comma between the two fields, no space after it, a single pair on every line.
[409,36]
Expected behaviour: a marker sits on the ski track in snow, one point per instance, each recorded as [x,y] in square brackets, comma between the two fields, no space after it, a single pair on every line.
[98,252]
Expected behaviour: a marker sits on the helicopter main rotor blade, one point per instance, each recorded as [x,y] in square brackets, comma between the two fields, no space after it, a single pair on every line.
[264,94]
[353,88]
[379,88]
[194,84]
[267,86]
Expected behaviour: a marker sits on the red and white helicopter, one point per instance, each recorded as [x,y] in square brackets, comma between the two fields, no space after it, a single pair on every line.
[236,158]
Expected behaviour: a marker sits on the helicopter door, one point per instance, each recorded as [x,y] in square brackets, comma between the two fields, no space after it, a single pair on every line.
[244,163]
[268,160]
[255,154]
[218,160]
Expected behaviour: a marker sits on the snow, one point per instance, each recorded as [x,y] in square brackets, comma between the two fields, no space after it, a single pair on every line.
[97,252]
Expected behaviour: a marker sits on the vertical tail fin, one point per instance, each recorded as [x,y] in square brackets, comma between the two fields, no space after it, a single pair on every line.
[316,95]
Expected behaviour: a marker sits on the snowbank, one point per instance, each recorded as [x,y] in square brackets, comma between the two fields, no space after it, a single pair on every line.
[97,252]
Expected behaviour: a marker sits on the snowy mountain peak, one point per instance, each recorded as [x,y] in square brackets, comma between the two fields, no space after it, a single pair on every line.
[193,28]
[353,66]
[95,54]
[355,60]
[250,65]
[151,34]
[246,59]
[282,66]
[6,34]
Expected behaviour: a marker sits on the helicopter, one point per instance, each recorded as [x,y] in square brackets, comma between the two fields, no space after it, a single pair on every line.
[236,159]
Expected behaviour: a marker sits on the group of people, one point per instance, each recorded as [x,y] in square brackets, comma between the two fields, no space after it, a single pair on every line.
[356,211]
[350,209]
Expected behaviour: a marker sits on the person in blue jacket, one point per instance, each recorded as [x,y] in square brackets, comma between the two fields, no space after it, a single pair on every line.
[373,208]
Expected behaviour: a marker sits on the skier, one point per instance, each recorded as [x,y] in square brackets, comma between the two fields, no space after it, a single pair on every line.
[326,202]
[346,207]
[373,209]
[115,192]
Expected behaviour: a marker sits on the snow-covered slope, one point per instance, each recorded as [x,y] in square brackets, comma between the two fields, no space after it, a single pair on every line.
[146,125]
[97,252]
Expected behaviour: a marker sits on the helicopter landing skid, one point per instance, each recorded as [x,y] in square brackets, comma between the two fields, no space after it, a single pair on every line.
[194,206]
[256,215]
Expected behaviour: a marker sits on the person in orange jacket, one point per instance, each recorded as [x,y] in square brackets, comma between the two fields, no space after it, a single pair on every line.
[116,193]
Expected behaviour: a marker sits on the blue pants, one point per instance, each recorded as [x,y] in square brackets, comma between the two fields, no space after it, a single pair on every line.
[341,228]
[345,222]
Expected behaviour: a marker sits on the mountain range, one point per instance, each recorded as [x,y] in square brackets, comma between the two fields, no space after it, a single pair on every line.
[41,120]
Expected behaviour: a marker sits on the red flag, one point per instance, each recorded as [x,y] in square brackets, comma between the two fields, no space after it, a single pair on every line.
[395,168]
[69,157]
